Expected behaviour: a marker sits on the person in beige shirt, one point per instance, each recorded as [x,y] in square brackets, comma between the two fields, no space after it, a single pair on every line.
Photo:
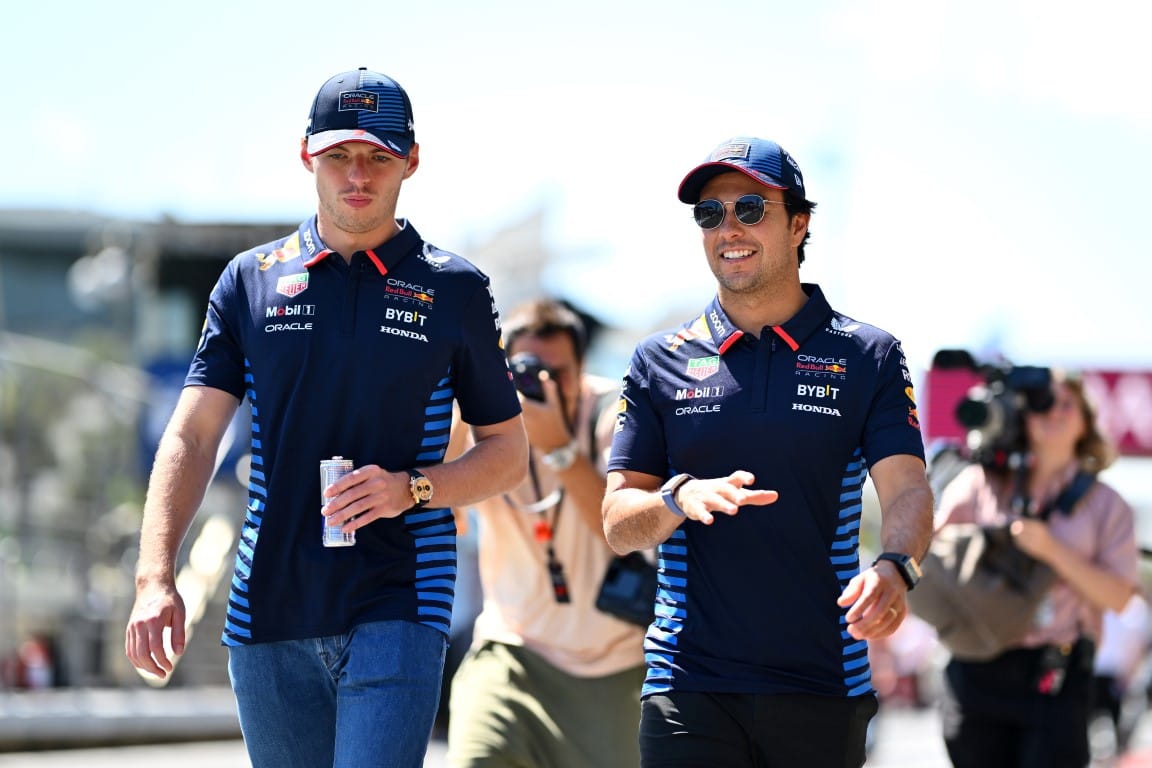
[549,679]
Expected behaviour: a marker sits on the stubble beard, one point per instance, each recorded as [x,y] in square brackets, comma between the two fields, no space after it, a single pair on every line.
[745,283]
[354,222]
[763,282]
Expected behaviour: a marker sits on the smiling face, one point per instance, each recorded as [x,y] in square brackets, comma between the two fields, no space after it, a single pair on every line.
[758,259]
[358,185]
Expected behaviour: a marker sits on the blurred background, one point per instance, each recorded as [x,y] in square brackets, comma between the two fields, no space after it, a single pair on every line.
[980,169]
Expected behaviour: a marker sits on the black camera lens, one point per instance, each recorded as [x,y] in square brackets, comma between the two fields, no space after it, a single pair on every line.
[972,413]
[526,368]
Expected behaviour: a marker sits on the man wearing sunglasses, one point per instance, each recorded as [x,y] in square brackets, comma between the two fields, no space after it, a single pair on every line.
[742,447]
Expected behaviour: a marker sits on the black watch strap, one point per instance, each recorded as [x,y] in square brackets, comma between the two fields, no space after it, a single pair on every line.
[906,565]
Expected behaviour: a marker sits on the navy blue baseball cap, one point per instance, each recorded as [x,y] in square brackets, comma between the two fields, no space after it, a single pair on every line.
[759,159]
[361,106]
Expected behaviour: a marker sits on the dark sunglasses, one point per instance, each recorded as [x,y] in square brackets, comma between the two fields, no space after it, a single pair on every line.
[749,210]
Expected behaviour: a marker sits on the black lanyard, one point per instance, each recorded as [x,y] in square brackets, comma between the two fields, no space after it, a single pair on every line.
[1069,496]
[544,530]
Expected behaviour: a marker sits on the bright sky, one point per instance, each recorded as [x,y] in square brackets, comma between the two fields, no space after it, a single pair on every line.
[981,166]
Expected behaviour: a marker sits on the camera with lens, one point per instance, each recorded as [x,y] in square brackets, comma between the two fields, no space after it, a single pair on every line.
[993,411]
[526,369]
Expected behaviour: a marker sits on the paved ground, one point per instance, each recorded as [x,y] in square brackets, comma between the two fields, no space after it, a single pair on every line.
[217,754]
[905,738]
[71,717]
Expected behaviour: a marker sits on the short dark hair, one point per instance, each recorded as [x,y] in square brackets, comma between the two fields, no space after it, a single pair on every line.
[795,204]
[544,318]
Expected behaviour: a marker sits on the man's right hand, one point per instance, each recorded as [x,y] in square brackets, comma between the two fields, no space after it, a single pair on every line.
[157,608]
[700,497]
[545,422]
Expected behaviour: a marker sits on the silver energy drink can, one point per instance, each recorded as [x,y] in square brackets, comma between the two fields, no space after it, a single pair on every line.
[332,470]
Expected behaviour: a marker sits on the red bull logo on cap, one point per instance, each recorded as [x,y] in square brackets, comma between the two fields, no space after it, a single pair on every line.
[358,100]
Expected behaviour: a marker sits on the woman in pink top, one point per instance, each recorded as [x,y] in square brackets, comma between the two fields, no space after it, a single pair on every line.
[1029,707]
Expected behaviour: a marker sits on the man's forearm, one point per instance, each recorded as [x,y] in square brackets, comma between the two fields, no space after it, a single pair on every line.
[176,489]
[496,463]
[906,525]
[636,519]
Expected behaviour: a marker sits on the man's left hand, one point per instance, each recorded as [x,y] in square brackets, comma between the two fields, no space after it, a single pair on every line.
[878,600]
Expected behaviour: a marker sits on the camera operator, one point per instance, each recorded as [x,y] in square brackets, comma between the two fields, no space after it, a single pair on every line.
[549,678]
[1029,706]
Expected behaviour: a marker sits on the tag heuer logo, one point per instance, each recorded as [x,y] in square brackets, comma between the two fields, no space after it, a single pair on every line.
[703,367]
[292,285]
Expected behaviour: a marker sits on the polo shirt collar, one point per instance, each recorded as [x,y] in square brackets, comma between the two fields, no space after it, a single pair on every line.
[811,318]
[384,256]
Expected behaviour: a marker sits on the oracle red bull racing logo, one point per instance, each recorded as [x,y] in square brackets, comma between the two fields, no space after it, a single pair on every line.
[821,367]
[409,291]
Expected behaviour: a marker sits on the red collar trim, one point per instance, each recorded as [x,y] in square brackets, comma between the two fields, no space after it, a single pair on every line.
[791,342]
[317,258]
[383,270]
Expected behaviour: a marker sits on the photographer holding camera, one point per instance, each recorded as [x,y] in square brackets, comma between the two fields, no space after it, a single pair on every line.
[549,679]
[1029,706]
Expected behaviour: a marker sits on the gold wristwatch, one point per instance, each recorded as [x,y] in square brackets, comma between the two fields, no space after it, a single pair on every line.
[420,487]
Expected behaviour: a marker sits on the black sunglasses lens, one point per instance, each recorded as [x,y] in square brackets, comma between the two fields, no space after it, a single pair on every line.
[708,213]
[749,209]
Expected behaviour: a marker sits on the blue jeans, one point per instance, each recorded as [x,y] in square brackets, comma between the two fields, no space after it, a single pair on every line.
[366,698]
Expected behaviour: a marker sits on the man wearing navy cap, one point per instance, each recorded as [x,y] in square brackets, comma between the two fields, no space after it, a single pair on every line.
[743,442]
[350,337]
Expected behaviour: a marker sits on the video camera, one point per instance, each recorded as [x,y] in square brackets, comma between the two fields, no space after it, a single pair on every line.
[993,412]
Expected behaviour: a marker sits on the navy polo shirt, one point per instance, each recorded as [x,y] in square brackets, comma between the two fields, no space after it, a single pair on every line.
[748,604]
[361,360]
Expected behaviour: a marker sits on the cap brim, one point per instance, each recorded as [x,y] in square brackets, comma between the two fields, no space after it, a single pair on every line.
[390,143]
[690,187]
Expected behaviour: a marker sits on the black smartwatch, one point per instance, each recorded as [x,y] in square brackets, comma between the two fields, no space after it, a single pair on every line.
[907,566]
